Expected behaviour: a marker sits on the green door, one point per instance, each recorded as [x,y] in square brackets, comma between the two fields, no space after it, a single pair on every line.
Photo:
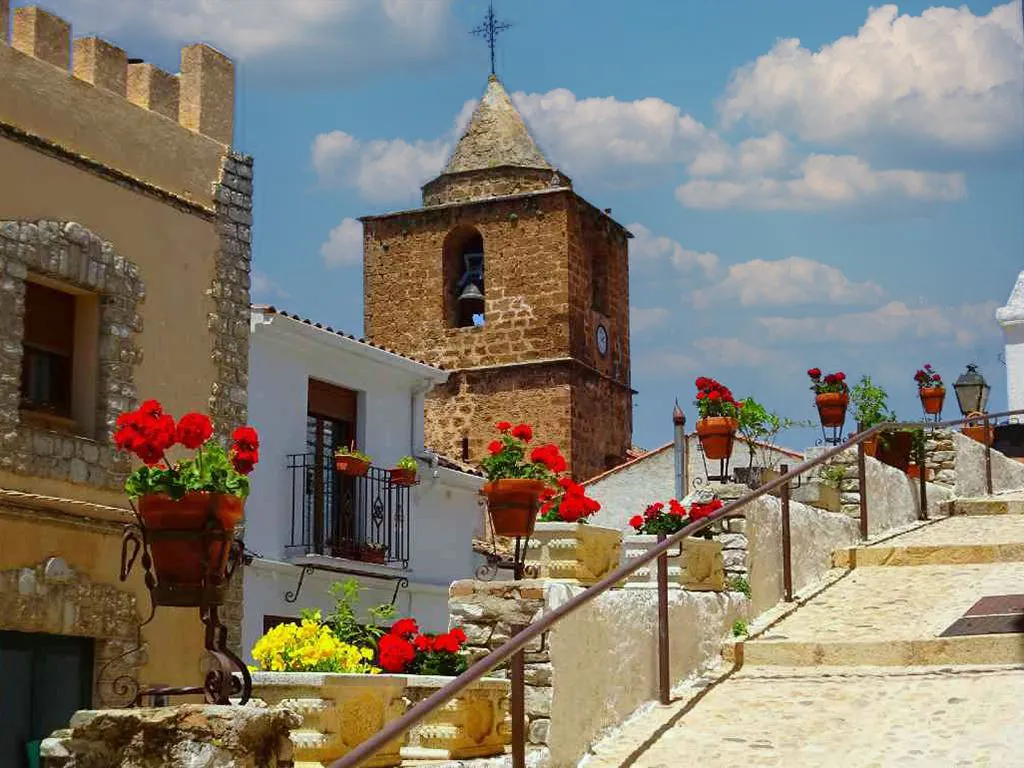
[44,679]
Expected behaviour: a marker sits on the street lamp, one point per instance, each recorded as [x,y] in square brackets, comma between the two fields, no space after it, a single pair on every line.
[971,391]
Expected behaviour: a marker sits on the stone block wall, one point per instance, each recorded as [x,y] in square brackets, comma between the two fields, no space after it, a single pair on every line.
[505,181]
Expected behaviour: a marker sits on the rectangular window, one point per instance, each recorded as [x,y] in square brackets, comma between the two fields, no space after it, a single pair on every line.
[48,350]
[60,356]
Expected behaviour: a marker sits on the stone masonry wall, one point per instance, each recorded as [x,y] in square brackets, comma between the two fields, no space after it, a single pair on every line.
[489,183]
[71,254]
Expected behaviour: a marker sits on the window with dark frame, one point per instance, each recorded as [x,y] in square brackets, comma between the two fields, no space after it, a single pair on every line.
[599,282]
[48,348]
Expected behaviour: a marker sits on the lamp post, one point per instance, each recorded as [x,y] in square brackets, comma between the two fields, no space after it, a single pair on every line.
[972,397]
[971,391]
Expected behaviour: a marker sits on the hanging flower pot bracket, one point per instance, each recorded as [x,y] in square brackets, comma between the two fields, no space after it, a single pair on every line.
[227,677]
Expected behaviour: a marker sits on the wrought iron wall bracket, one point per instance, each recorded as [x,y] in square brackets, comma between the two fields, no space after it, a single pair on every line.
[401,581]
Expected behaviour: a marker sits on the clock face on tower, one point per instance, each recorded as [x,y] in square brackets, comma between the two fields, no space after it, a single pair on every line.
[602,340]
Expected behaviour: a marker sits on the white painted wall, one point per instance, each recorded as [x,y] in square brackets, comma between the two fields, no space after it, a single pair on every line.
[1007,474]
[626,491]
[444,513]
[1011,318]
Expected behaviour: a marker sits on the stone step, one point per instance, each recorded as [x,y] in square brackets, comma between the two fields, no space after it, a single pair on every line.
[1012,504]
[935,554]
[944,651]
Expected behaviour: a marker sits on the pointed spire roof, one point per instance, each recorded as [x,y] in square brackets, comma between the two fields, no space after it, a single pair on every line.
[496,136]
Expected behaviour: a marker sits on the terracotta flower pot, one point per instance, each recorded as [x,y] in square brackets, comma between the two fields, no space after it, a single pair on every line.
[512,504]
[716,434]
[351,466]
[832,408]
[932,399]
[895,449]
[980,433]
[368,555]
[914,472]
[870,445]
[178,561]
[401,476]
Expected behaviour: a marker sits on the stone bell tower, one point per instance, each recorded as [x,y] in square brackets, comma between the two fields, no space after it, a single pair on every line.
[518,286]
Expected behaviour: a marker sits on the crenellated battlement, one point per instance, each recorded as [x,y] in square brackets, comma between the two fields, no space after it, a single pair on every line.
[200,97]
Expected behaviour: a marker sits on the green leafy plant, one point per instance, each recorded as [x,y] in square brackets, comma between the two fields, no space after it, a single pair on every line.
[407,463]
[917,442]
[344,621]
[741,585]
[870,404]
[352,453]
[739,628]
[833,475]
[760,427]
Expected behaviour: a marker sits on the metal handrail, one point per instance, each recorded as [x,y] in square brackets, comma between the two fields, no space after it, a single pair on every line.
[518,641]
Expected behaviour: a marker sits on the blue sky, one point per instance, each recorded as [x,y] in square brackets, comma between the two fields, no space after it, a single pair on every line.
[811,184]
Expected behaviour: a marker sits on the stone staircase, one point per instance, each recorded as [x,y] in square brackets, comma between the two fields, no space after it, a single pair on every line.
[911,653]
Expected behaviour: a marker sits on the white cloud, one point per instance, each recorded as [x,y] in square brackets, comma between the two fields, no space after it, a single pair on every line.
[895,320]
[641,320]
[665,362]
[265,288]
[608,140]
[648,248]
[381,170]
[344,245]
[823,182]
[733,352]
[300,41]
[752,157]
[946,76]
[789,281]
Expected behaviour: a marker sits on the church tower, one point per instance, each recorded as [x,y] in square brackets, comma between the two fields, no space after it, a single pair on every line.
[518,286]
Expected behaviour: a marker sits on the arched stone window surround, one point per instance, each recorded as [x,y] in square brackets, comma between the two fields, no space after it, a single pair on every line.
[54,599]
[460,241]
[70,254]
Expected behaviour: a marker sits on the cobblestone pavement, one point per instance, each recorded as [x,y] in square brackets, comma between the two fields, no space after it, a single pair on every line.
[843,718]
[910,603]
[995,529]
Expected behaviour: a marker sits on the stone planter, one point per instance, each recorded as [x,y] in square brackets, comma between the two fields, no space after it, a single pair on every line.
[475,723]
[701,567]
[338,712]
[573,552]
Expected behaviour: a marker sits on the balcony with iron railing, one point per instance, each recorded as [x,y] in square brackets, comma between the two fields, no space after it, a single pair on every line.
[364,519]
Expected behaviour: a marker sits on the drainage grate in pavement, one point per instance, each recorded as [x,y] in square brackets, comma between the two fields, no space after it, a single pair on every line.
[993,615]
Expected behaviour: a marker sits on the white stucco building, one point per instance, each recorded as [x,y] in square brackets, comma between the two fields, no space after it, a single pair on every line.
[1011,318]
[312,389]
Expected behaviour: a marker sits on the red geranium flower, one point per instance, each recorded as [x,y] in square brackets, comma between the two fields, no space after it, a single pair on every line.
[814,373]
[447,643]
[550,456]
[636,521]
[423,643]
[395,653]
[458,634]
[194,429]
[246,438]
[244,461]
[495,446]
[405,628]
[503,426]
[523,432]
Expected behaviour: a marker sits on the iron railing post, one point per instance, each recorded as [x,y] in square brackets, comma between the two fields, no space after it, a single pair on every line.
[517,703]
[787,547]
[664,678]
[922,464]
[862,488]
[988,459]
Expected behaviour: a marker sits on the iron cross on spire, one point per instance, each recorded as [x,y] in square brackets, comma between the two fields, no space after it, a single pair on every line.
[490,30]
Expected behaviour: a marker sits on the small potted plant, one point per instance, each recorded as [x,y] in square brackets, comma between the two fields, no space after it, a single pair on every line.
[870,403]
[188,495]
[918,460]
[404,471]
[831,396]
[698,564]
[718,422]
[759,428]
[373,552]
[516,477]
[351,463]
[930,389]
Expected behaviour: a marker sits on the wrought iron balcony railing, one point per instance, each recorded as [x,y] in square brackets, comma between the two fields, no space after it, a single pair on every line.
[357,518]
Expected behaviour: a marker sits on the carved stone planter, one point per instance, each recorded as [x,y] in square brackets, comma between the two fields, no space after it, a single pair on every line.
[475,723]
[573,552]
[700,568]
[338,712]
